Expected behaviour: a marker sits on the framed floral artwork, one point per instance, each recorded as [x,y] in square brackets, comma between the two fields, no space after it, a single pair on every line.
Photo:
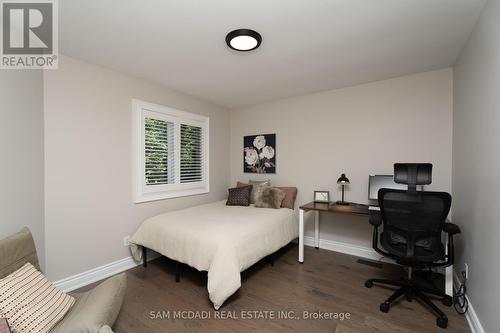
[259,153]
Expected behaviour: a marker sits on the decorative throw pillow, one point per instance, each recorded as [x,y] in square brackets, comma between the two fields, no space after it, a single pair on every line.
[30,302]
[290,195]
[271,197]
[240,184]
[256,190]
[239,196]
[266,182]
[257,187]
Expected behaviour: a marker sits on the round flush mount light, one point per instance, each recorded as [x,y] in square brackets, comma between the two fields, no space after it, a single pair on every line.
[243,40]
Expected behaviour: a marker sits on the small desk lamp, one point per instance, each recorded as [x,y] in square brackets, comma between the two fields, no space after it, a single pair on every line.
[343,181]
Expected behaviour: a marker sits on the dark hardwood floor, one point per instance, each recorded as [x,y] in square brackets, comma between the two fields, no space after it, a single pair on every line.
[327,282]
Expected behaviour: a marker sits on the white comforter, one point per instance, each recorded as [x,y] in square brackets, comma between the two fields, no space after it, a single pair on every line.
[223,240]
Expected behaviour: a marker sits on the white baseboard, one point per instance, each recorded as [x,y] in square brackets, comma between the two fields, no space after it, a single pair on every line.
[99,273]
[96,274]
[471,315]
[354,250]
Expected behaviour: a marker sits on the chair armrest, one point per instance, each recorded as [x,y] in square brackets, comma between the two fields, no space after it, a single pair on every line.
[96,308]
[451,228]
[376,222]
[376,219]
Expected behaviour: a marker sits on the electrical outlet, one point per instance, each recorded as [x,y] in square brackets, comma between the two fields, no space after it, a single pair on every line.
[466,271]
[126,241]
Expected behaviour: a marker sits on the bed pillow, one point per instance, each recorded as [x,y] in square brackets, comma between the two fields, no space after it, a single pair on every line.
[290,195]
[30,302]
[239,196]
[270,197]
[240,184]
[266,182]
[257,187]
[253,193]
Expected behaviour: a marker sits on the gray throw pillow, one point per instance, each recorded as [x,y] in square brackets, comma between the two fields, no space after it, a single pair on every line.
[270,197]
[239,196]
[257,187]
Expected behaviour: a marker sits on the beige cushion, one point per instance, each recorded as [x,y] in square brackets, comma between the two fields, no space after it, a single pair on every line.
[271,197]
[95,308]
[30,302]
[17,250]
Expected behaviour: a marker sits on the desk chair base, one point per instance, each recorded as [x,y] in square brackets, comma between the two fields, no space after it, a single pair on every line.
[411,289]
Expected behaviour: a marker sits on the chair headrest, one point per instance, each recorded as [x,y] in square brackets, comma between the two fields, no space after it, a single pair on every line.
[17,250]
[413,174]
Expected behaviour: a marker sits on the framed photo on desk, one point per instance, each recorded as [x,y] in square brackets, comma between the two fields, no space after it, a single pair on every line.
[322,196]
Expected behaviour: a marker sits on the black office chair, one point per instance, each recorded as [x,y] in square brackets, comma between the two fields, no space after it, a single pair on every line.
[412,225]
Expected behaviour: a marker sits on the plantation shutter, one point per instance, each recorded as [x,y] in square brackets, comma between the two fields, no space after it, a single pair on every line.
[159,152]
[191,154]
[170,152]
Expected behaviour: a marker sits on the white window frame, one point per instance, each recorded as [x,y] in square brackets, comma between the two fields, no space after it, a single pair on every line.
[145,193]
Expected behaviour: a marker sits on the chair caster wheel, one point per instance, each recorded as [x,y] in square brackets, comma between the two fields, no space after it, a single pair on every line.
[384,307]
[368,284]
[442,322]
[447,301]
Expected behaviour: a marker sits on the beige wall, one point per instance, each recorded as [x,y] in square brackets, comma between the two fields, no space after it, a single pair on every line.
[21,157]
[476,164]
[88,198]
[359,131]
[88,163]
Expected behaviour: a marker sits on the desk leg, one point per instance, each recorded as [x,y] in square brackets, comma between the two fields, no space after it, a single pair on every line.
[449,280]
[448,272]
[448,275]
[301,236]
[316,229]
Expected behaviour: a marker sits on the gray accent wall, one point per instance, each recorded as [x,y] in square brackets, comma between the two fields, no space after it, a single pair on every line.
[21,155]
[476,164]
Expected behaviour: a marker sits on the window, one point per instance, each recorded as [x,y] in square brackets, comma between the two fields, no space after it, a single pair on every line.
[170,152]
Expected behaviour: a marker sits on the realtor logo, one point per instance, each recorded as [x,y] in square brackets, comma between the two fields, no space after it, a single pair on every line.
[29,34]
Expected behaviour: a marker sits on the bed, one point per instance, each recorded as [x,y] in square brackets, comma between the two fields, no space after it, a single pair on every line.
[222,240]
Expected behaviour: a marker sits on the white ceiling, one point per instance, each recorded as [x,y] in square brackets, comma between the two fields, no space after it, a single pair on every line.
[308,45]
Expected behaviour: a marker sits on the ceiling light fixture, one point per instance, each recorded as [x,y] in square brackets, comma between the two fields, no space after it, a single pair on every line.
[243,40]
